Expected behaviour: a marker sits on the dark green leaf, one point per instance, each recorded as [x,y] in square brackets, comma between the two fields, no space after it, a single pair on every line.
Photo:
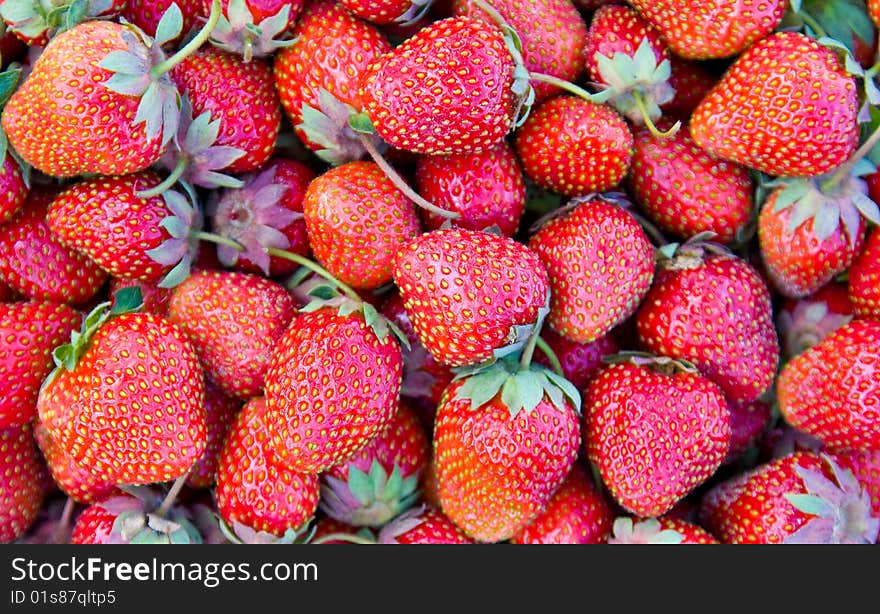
[128,300]
[360,122]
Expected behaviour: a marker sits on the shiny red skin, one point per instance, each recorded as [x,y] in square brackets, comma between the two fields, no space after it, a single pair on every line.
[146,14]
[691,82]
[379,12]
[747,422]
[220,413]
[20,493]
[617,28]
[580,361]
[864,279]
[434,528]
[12,189]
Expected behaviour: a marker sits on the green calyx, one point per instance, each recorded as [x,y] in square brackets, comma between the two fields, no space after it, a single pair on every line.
[336,127]
[661,364]
[238,33]
[33,19]
[183,226]
[369,499]
[238,533]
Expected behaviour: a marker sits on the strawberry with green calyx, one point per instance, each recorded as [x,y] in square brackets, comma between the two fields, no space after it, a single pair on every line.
[662,530]
[37,21]
[94,402]
[866,467]
[239,533]
[247,28]
[130,111]
[505,438]
[146,15]
[382,480]
[655,429]
[801,498]
[20,494]
[864,280]
[802,323]
[389,12]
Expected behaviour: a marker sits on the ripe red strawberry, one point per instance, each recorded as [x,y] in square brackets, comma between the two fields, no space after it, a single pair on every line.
[332,386]
[469,293]
[265,212]
[866,467]
[662,530]
[422,526]
[713,29]
[124,370]
[381,480]
[600,264]
[579,361]
[799,498]
[832,390]
[447,89]
[864,279]
[35,24]
[74,480]
[802,323]
[220,413]
[691,81]
[357,220]
[317,78]
[233,321]
[254,28]
[329,531]
[713,310]
[125,519]
[146,14]
[654,435]
[12,187]
[574,147]
[552,34]
[749,118]
[255,492]
[155,299]
[387,12]
[505,439]
[747,422]
[241,95]
[30,332]
[685,191]
[35,264]
[577,514]
[20,494]
[487,189]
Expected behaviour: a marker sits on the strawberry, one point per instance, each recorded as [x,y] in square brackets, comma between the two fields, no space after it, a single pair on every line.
[388,12]
[330,369]
[220,413]
[469,293]
[751,119]
[866,467]
[266,211]
[552,34]
[864,279]
[121,370]
[654,433]
[799,498]
[574,147]
[832,390]
[250,27]
[874,11]
[30,332]
[713,29]
[447,89]
[713,310]
[125,519]
[422,526]
[317,78]
[357,220]
[600,264]
[381,480]
[748,420]
[146,14]
[487,189]
[330,531]
[691,81]
[35,23]
[505,439]
[686,191]
[241,95]
[579,361]
[255,492]
[20,494]
[13,189]
[576,514]
[802,323]
[662,530]
[35,264]
[233,321]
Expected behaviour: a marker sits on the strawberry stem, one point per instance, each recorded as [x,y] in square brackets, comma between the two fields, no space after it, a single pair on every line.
[192,46]
[844,170]
[529,350]
[551,355]
[400,183]
[169,499]
[490,10]
[168,182]
[346,537]
[563,84]
[639,99]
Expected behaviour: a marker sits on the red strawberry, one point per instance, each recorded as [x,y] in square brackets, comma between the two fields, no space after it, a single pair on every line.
[317,78]
[265,212]
[20,494]
[220,413]
[799,498]
[331,388]
[747,421]
[125,519]
[577,514]
[36,24]
[662,530]
[233,321]
[30,332]
[122,371]
[832,391]
[13,189]
[255,492]
[714,311]
[469,293]
[35,264]
[691,81]
[330,531]
[802,323]
[762,113]
[864,279]
[254,28]
[600,263]
[241,95]
[574,147]
[422,526]
[713,29]
[686,191]
[357,220]
[487,189]
[146,14]
[381,480]
[654,435]
[579,361]
[447,89]
[866,467]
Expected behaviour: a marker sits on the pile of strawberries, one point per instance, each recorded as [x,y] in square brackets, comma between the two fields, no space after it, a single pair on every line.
[403,271]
